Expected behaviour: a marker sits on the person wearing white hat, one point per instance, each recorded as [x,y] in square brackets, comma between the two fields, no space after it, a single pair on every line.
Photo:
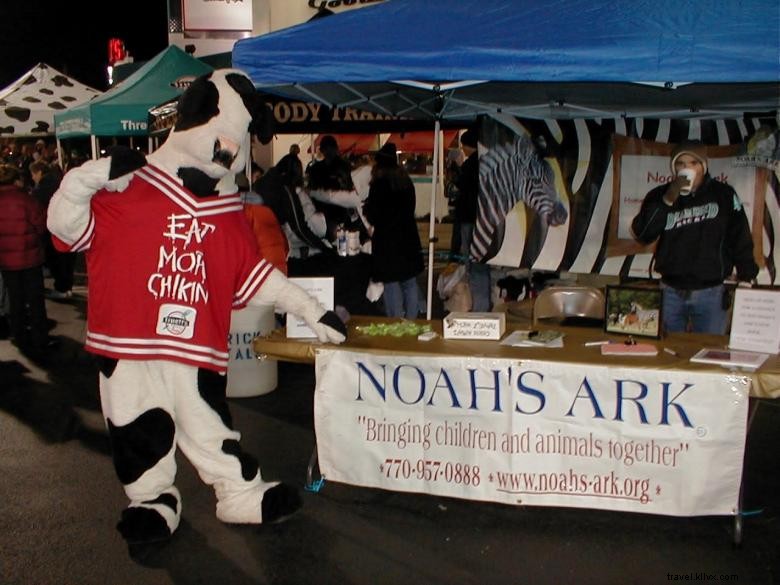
[702,235]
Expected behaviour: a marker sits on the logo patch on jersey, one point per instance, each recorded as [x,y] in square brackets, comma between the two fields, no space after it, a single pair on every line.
[691,215]
[176,321]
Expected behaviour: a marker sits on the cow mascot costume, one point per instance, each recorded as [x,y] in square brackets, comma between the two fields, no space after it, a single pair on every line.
[169,255]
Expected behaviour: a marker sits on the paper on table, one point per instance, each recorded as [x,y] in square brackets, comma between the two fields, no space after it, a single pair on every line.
[730,358]
[755,324]
[528,338]
[319,287]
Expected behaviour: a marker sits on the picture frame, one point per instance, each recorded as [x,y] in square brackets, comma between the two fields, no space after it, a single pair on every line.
[633,310]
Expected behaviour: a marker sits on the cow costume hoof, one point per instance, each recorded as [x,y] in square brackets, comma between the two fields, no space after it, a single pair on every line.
[141,526]
[332,320]
[279,503]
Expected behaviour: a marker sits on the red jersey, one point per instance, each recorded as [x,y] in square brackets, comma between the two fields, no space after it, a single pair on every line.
[165,268]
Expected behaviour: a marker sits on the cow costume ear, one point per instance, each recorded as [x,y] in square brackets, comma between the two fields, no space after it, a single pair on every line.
[262,120]
[124,160]
[198,104]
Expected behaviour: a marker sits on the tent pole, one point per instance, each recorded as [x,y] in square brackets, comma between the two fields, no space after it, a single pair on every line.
[94,142]
[432,218]
[60,159]
[248,164]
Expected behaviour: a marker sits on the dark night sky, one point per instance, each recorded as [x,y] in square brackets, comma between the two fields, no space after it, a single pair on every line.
[63,36]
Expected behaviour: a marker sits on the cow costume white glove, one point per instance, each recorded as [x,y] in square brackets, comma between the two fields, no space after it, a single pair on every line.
[69,212]
[290,298]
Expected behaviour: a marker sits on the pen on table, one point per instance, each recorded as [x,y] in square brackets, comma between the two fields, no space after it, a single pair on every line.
[593,343]
[670,351]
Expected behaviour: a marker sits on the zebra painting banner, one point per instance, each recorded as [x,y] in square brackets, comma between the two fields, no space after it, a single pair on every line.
[559,195]
[533,432]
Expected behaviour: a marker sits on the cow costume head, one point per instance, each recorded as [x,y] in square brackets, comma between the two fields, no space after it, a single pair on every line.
[209,143]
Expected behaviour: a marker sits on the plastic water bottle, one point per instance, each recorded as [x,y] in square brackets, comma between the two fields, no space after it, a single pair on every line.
[341,240]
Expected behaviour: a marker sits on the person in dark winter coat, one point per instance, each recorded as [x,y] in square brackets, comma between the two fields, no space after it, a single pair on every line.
[396,250]
[46,181]
[22,225]
[290,164]
[468,195]
[703,234]
[332,173]
[466,206]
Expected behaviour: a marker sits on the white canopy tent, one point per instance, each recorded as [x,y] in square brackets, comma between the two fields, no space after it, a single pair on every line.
[27,106]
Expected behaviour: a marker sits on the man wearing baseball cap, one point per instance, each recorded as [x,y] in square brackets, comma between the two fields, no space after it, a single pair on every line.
[703,235]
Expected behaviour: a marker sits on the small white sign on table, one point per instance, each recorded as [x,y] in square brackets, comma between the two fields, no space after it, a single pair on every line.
[320,288]
[755,324]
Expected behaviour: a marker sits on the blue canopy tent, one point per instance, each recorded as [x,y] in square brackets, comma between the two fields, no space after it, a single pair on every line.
[558,59]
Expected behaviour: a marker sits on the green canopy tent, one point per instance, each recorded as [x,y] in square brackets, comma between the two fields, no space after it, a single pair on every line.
[124,110]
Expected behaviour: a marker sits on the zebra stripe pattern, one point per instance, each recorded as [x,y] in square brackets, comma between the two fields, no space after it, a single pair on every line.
[510,173]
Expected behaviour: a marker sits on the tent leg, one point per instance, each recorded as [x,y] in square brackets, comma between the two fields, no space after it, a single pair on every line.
[60,158]
[94,142]
[432,219]
[248,164]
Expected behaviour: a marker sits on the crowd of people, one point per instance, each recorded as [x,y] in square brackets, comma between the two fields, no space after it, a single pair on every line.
[371,202]
[371,196]
[30,174]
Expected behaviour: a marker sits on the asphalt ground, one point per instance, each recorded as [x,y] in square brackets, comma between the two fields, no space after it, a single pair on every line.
[60,501]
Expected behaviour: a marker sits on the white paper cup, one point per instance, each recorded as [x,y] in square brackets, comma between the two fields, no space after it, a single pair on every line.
[690,175]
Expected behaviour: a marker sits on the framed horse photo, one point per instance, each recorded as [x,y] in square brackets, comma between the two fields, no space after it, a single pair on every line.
[633,310]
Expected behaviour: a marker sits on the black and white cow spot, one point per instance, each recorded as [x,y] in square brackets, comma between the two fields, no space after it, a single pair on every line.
[61,81]
[141,443]
[41,127]
[17,113]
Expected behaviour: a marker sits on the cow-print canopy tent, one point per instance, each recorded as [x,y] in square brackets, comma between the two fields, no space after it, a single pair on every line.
[27,106]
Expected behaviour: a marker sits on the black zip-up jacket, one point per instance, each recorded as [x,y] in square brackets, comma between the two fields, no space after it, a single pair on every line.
[701,238]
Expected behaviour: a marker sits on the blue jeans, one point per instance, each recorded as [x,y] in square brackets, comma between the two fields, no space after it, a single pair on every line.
[479,274]
[479,284]
[402,298]
[466,232]
[702,309]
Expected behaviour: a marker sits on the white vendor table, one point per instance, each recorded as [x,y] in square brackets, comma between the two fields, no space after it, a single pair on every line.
[534,426]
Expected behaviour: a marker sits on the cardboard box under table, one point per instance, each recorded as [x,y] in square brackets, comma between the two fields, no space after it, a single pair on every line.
[762,383]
